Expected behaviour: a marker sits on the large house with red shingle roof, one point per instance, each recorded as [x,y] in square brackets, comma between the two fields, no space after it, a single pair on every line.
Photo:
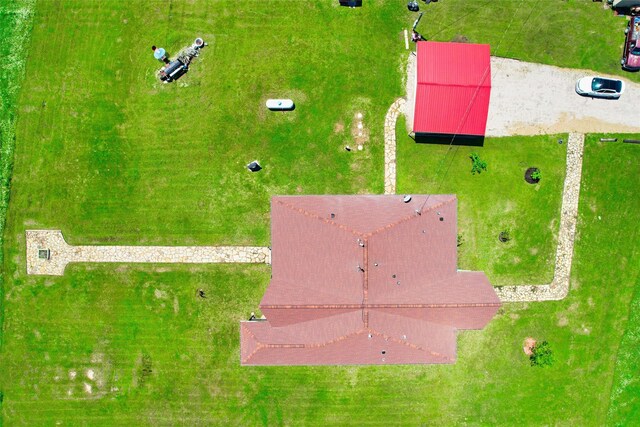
[359,280]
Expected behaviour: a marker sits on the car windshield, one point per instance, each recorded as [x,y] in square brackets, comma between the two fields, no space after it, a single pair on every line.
[599,84]
[635,50]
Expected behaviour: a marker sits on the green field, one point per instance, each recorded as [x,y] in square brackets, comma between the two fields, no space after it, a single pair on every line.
[109,155]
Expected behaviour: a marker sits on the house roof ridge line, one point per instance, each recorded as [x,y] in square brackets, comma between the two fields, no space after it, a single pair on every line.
[318,217]
[317,344]
[407,343]
[381,305]
[406,218]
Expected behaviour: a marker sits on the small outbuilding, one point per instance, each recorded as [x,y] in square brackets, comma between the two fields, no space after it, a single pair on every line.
[453,87]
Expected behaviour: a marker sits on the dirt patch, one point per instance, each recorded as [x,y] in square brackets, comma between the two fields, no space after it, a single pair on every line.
[529,344]
[338,127]
[563,321]
[459,38]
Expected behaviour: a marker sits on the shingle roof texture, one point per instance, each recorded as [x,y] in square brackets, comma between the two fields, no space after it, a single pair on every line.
[365,280]
[453,88]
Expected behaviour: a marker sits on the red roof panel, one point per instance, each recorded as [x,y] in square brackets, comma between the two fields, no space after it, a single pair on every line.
[453,88]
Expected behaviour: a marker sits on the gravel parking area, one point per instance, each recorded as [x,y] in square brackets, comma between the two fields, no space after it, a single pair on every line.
[530,99]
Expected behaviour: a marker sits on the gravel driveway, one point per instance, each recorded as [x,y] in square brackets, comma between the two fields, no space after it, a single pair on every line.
[531,99]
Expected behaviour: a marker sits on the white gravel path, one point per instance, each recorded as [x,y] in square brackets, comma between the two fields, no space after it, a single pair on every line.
[62,253]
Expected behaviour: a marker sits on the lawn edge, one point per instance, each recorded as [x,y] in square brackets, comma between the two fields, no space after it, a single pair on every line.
[19,15]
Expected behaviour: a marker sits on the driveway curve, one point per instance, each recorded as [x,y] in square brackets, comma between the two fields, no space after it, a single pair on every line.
[532,99]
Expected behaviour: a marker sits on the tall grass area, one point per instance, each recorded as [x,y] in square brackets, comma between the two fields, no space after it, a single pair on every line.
[15,29]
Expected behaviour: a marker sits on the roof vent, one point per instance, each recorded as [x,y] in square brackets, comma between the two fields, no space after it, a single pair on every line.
[375,264]
[370,336]
[441,218]
[361,243]
[393,276]
[418,212]
[360,269]
[406,198]
[333,215]
[404,337]
[384,352]
[398,282]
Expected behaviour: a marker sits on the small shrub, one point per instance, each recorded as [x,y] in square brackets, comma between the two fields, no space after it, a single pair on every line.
[536,175]
[541,355]
[460,240]
[478,165]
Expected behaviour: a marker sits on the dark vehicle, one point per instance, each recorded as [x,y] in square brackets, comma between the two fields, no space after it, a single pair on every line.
[600,87]
[631,56]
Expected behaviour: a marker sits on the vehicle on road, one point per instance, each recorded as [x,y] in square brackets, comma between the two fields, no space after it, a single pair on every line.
[631,54]
[600,87]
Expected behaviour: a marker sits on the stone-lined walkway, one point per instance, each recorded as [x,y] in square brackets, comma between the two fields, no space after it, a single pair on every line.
[61,253]
[390,145]
[559,287]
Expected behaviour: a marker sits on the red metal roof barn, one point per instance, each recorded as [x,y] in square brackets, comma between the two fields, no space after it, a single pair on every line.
[453,87]
[365,280]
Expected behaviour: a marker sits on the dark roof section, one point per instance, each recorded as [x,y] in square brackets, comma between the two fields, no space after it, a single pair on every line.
[356,276]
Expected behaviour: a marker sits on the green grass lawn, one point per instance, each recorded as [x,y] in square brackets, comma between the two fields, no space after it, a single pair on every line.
[111,156]
[494,200]
[119,321]
[115,155]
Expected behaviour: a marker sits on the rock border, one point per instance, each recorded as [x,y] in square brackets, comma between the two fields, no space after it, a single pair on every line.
[390,145]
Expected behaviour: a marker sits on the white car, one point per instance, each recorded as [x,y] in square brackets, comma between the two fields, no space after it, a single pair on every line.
[600,87]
